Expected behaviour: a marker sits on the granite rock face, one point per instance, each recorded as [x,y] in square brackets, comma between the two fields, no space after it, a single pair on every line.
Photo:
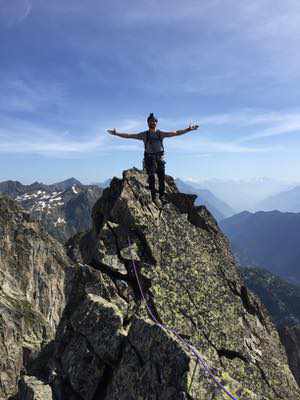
[32,291]
[109,345]
[191,283]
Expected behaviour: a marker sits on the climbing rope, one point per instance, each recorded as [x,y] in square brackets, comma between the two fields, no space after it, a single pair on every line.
[174,332]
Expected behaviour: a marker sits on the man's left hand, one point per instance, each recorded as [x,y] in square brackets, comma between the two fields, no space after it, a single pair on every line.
[193,127]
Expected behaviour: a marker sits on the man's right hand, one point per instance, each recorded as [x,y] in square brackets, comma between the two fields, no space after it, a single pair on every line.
[112,131]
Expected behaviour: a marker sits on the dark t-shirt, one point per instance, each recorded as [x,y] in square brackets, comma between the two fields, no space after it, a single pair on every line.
[154,142]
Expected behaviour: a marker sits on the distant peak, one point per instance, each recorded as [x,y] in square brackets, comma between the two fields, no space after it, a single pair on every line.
[72,181]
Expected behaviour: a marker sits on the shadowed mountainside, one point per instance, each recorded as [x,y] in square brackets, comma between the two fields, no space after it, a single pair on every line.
[64,208]
[270,239]
[282,300]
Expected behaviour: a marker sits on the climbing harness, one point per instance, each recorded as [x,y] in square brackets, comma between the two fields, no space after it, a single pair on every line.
[159,138]
[192,349]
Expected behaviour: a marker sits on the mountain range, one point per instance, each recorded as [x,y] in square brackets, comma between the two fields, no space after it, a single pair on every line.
[243,195]
[64,208]
[217,207]
[287,201]
[16,188]
[269,238]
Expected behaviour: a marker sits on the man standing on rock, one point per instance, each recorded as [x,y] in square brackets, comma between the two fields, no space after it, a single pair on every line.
[154,152]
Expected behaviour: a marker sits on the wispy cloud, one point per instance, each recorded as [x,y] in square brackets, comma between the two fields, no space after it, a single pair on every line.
[237,128]
[274,124]
[250,124]
[19,136]
[22,137]
[29,95]
[14,12]
[27,10]
[204,147]
[47,144]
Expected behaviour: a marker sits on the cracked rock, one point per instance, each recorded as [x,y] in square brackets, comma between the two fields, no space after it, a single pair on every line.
[108,345]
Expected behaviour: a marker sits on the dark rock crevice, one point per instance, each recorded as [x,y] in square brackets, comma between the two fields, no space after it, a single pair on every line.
[222,352]
[144,248]
[252,307]
[104,383]
[111,273]
[232,354]
[132,279]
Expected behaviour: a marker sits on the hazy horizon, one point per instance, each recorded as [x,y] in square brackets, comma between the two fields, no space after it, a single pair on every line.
[255,179]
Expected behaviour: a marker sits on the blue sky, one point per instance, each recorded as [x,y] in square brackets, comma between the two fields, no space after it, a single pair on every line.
[71,69]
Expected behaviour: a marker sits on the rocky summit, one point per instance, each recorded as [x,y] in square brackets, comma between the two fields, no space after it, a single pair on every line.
[111,340]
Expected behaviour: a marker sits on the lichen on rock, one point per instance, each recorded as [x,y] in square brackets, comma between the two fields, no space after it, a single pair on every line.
[107,343]
[191,283]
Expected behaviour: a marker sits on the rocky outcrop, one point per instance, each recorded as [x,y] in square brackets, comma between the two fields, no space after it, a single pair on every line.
[32,291]
[110,345]
[191,283]
[31,388]
[290,337]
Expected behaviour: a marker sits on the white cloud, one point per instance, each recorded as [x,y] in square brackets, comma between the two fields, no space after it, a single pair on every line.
[237,128]
[260,124]
[203,147]
[20,136]
[46,143]
[274,124]
[30,95]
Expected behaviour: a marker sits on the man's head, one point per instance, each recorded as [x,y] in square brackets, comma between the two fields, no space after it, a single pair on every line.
[152,121]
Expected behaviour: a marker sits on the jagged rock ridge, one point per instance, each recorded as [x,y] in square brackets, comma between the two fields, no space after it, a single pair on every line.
[107,347]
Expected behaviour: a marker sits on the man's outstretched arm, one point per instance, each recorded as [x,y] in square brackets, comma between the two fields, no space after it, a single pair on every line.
[113,132]
[180,131]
